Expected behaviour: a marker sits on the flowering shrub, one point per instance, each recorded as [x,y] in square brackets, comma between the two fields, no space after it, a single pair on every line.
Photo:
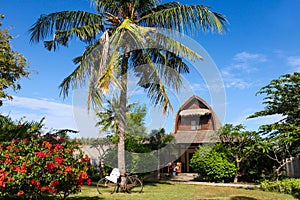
[42,165]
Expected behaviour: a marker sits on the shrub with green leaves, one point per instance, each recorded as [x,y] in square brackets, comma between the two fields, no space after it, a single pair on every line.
[287,186]
[40,165]
[212,165]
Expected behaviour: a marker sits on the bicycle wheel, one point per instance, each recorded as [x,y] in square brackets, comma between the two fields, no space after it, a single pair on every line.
[105,186]
[133,185]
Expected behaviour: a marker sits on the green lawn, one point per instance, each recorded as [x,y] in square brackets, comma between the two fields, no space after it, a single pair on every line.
[176,191]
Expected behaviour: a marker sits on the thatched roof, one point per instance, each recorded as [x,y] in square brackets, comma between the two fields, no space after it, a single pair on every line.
[192,112]
[200,136]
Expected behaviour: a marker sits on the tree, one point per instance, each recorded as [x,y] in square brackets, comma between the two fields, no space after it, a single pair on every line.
[240,144]
[281,139]
[13,65]
[110,114]
[282,98]
[277,149]
[129,29]
[158,139]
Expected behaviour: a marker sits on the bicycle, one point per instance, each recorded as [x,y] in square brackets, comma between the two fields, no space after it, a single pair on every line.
[110,184]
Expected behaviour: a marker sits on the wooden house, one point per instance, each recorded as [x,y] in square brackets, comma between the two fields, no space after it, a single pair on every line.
[195,123]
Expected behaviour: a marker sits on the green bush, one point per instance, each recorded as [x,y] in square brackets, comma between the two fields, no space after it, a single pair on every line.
[41,164]
[287,186]
[212,165]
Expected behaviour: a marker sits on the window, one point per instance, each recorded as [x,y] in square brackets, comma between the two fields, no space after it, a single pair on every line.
[193,125]
[199,127]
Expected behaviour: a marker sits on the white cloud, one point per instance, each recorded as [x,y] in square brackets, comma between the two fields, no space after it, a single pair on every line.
[237,74]
[294,61]
[58,115]
[246,57]
[197,87]
[254,123]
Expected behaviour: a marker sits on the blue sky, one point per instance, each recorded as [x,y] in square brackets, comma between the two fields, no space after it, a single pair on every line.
[262,43]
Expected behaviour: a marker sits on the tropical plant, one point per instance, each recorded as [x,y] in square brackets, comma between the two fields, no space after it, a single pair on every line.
[20,129]
[41,164]
[240,143]
[130,41]
[13,65]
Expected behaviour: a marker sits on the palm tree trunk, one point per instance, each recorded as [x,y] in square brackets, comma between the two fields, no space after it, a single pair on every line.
[122,120]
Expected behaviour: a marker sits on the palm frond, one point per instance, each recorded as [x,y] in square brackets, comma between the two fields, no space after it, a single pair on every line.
[109,75]
[185,18]
[110,6]
[90,64]
[157,8]
[85,33]
[144,5]
[161,57]
[47,25]
[175,46]
[128,34]
[151,78]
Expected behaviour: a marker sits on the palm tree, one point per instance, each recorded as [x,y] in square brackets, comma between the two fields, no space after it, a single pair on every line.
[109,116]
[122,36]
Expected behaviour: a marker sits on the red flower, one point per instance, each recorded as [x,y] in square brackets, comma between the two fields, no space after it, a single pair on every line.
[50,166]
[20,193]
[58,159]
[52,190]
[38,183]
[89,181]
[10,180]
[16,168]
[41,154]
[86,158]
[54,183]
[83,175]
[33,182]
[6,155]
[45,188]
[68,169]
[47,144]
[58,146]
[23,168]
[7,162]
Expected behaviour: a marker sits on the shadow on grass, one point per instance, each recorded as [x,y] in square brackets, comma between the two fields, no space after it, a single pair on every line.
[156,183]
[242,198]
[85,197]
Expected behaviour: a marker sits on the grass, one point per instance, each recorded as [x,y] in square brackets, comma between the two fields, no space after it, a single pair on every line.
[174,191]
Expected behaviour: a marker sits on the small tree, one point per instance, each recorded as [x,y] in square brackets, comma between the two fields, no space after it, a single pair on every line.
[103,146]
[240,144]
[277,149]
[13,65]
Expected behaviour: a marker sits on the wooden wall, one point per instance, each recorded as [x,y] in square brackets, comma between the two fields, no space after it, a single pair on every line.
[184,122]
